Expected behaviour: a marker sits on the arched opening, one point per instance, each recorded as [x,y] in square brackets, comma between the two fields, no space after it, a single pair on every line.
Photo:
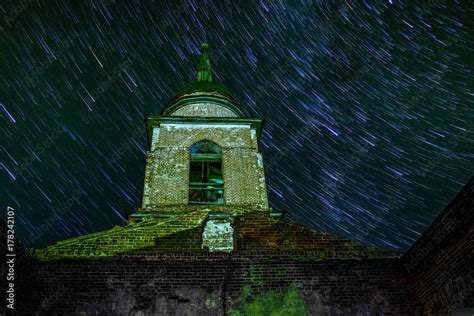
[206,184]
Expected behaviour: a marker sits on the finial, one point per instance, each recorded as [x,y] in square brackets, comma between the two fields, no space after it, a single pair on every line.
[204,68]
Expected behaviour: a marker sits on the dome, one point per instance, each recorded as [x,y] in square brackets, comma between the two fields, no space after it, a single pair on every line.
[203,97]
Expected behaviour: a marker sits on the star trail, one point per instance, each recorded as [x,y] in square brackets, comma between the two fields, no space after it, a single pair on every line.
[368,106]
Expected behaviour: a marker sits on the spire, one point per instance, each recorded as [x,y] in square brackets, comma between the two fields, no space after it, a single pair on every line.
[204,68]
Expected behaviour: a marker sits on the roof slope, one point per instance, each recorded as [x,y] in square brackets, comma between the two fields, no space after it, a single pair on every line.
[254,231]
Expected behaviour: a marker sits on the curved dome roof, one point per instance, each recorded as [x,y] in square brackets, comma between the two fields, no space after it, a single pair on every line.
[212,98]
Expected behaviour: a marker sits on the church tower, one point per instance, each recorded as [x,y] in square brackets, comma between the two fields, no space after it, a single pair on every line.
[204,190]
[203,152]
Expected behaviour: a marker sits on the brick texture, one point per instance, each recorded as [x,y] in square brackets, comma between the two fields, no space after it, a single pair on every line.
[333,276]
[167,166]
[187,284]
[441,262]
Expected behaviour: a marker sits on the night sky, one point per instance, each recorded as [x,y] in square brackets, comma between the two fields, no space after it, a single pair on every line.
[368,106]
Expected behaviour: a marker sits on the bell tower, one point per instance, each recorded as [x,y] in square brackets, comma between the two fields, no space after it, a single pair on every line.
[203,152]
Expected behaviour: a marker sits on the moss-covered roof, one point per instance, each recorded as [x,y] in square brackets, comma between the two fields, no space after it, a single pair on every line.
[254,231]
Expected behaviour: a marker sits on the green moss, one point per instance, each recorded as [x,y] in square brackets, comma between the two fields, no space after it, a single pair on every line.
[256,276]
[256,301]
[211,303]
[273,303]
[246,292]
[161,235]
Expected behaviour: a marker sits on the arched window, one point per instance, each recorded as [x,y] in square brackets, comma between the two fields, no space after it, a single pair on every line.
[206,185]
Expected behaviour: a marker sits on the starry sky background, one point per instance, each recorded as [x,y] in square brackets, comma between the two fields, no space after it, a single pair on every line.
[368,106]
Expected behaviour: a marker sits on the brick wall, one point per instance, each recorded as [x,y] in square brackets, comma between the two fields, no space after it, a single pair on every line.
[433,278]
[167,165]
[213,284]
[441,262]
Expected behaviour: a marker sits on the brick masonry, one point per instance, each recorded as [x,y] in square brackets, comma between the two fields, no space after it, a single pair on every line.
[180,284]
[332,275]
[441,262]
[167,165]
[238,258]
